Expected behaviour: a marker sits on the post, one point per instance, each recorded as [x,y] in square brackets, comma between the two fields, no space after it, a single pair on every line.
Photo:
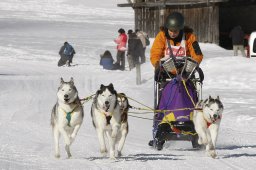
[199,90]
[138,74]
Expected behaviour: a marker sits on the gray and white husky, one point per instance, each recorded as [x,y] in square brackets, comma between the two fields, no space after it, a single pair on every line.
[124,128]
[207,122]
[106,117]
[67,115]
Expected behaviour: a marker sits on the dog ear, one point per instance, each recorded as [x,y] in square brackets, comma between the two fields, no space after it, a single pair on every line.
[200,103]
[111,86]
[97,93]
[121,94]
[102,86]
[210,98]
[218,98]
[61,80]
[72,80]
[206,101]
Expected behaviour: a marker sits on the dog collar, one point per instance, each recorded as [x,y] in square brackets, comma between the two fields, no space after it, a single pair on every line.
[208,124]
[212,121]
[107,113]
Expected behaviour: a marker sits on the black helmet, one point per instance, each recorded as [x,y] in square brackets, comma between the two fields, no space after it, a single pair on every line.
[175,21]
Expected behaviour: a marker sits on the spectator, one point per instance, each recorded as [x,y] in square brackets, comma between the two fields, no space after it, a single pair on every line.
[142,36]
[66,53]
[121,41]
[106,60]
[237,35]
[134,49]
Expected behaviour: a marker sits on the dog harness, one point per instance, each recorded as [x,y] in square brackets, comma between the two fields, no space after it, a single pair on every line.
[176,51]
[68,115]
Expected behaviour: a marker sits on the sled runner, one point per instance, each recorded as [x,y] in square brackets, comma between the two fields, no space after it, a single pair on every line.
[175,99]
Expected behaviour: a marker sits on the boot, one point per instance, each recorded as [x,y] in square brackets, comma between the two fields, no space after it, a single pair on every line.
[151,143]
[159,145]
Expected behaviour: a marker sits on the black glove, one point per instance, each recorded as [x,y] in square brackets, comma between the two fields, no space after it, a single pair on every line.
[160,74]
[157,73]
[201,74]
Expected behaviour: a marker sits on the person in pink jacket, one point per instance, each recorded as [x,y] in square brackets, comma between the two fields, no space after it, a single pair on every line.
[121,41]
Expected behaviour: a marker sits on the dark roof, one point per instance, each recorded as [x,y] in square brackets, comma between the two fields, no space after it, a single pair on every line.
[169,3]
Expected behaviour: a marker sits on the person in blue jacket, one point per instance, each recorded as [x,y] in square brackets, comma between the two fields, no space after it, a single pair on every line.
[106,60]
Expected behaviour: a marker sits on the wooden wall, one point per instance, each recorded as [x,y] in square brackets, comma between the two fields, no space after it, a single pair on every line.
[148,20]
[203,20]
[211,21]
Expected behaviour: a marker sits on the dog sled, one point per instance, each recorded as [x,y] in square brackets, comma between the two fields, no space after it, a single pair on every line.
[175,98]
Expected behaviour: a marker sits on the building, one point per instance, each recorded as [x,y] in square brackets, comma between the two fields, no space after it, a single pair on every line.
[211,20]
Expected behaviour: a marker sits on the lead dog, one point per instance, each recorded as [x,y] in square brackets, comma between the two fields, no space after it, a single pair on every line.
[207,122]
[124,108]
[106,117]
[67,115]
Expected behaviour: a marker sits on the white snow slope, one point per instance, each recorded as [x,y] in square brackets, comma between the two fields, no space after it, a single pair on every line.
[31,34]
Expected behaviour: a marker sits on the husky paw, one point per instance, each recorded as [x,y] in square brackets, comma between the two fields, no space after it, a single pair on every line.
[69,156]
[119,153]
[103,151]
[104,154]
[112,156]
[212,153]
[57,156]
[200,141]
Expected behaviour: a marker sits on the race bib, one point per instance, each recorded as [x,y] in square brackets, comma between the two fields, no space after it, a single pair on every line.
[177,51]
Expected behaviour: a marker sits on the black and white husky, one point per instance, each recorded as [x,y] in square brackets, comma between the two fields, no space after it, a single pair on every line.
[207,122]
[67,115]
[106,117]
[124,108]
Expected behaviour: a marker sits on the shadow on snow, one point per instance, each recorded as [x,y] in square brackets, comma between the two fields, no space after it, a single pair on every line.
[141,157]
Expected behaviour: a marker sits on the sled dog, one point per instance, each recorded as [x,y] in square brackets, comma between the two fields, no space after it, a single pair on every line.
[207,122]
[106,117]
[67,115]
[124,108]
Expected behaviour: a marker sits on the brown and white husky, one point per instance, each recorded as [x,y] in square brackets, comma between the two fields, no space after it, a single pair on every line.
[106,117]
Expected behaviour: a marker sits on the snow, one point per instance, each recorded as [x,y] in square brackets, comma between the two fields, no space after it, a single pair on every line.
[31,35]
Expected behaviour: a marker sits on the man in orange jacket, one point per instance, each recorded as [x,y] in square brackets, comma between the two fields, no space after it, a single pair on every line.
[175,41]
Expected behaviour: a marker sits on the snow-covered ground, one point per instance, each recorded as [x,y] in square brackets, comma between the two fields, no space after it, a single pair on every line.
[31,34]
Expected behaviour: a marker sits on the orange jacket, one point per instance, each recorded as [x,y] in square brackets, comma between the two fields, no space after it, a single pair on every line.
[160,44]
